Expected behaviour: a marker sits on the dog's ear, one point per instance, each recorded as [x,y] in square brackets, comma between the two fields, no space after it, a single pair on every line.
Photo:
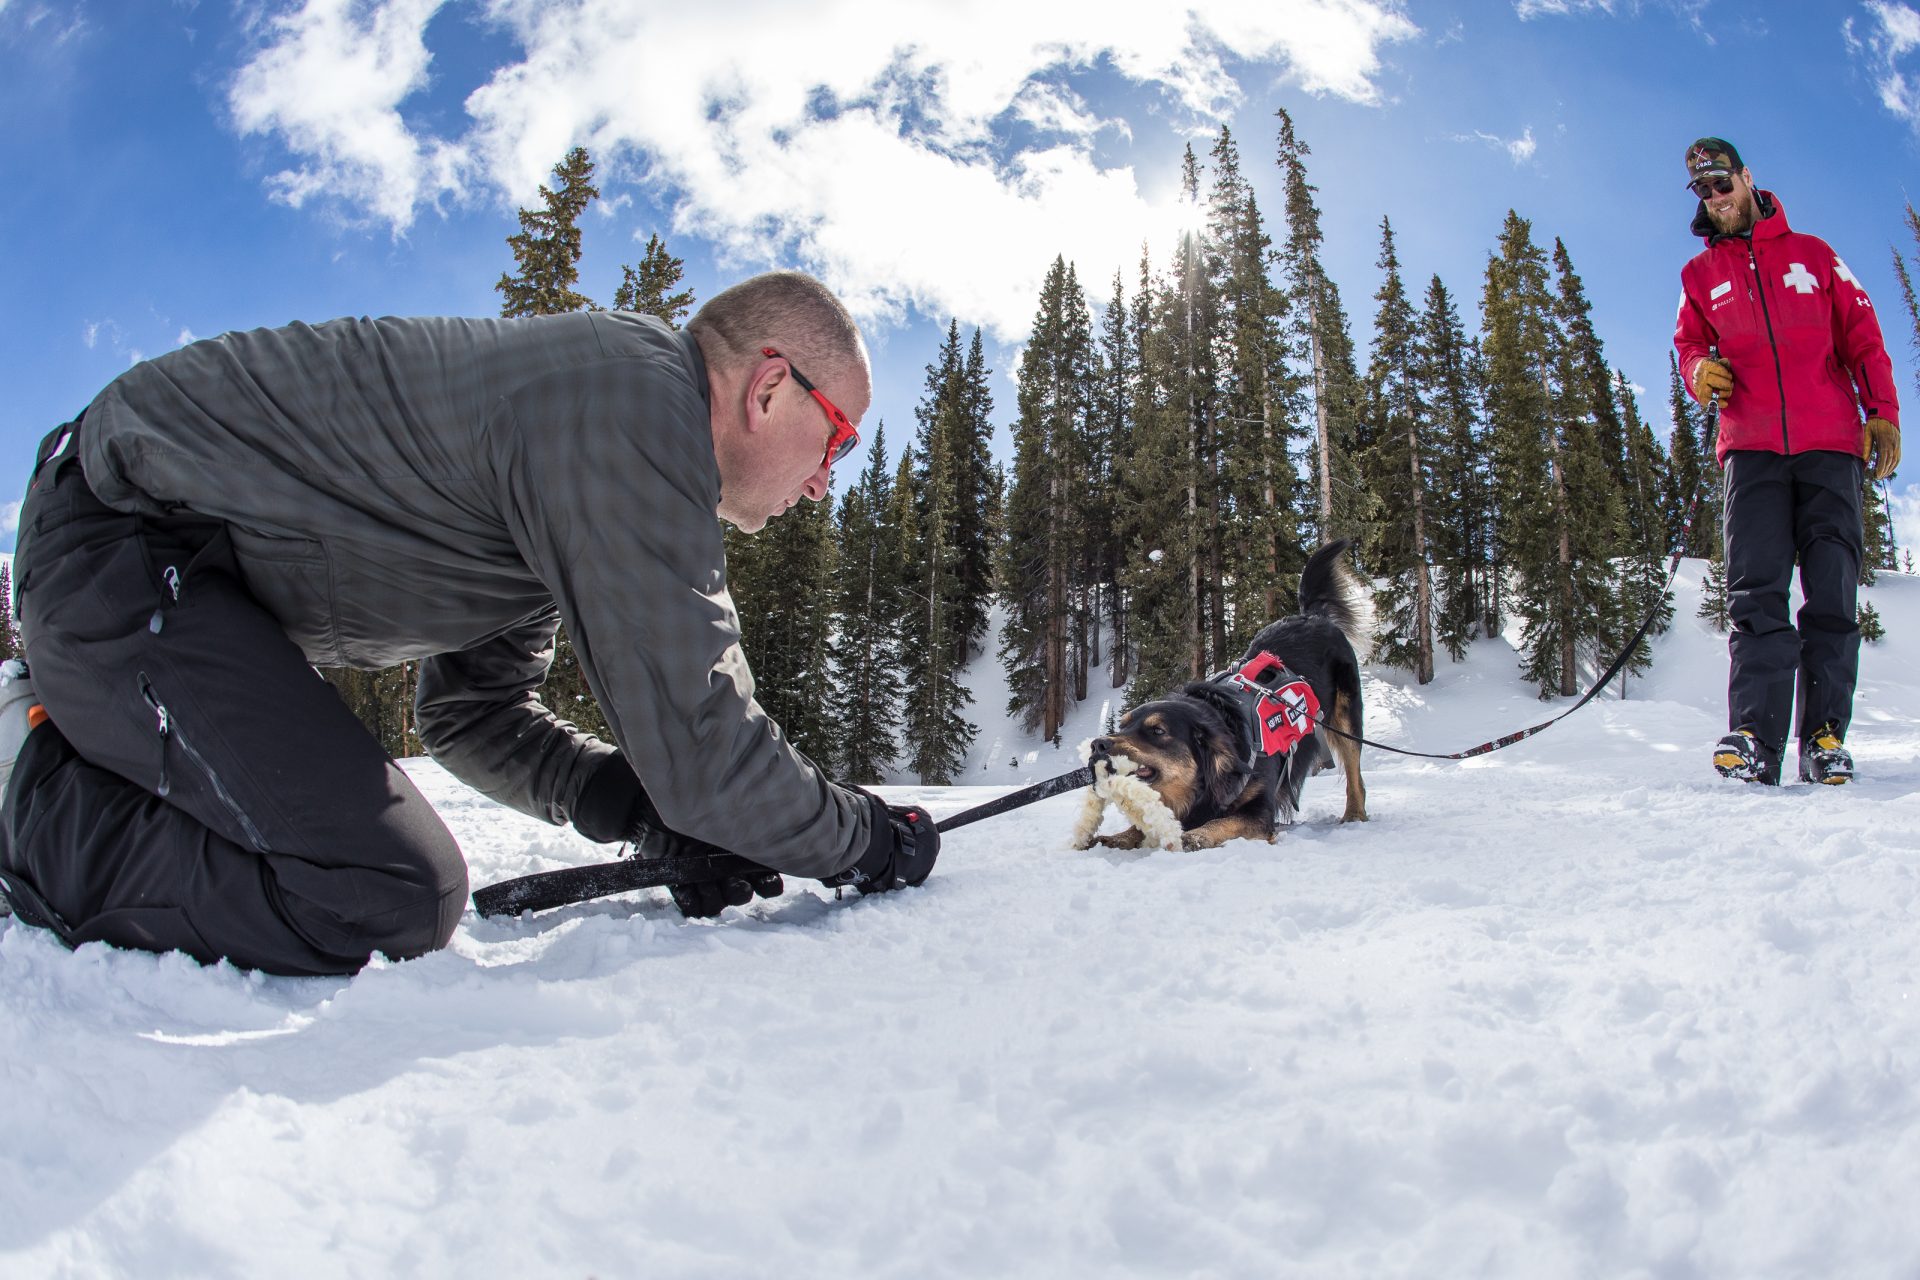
[1235,724]
[1222,743]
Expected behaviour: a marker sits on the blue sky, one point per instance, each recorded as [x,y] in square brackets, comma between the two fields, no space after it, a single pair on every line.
[175,168]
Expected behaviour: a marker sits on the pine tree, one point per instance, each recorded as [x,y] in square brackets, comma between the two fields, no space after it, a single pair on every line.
[648,287]
[1906,290]
[1876,548]
[1872,629]
[781,582]
[547,249]
[976,505]
[1588,447]
[1318,336]
[1255,480]
[1172,500]
[1558,506]
[1462,518]
[1116,373]
[1641,537]
[1493,617]
[1692,481]
[937,731]
[1519,343]
[1398,475]
[1713,595]
[1588,372]
[868,625]
[1186,322]
[1153,482]
[1044,559]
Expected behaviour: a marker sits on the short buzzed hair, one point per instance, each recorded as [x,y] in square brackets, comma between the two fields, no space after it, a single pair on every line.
[788,310]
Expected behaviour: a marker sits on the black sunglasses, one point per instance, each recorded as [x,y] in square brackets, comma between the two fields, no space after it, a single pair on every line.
[1704,187]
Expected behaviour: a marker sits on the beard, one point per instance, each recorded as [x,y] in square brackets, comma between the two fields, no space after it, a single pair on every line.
[1737,220]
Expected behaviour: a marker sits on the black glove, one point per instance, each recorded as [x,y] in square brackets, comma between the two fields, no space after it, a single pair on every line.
[900,851]
[614,806]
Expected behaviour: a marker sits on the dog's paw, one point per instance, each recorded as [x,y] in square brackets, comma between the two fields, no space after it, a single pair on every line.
[1128,839]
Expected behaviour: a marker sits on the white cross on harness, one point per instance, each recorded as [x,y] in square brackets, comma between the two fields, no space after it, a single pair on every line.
[1800,278]
[1840,269]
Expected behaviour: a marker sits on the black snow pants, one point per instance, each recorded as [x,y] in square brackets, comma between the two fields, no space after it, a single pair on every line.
[1781,508]
[200,787]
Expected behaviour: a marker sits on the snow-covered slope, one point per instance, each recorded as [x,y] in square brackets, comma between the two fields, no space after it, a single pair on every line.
[1576,1008]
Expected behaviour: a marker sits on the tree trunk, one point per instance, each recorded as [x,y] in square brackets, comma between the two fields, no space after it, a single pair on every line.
[1422,582]
[1323,430]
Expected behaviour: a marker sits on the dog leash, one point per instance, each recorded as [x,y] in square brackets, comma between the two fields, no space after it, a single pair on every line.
[547,889]
[1613,668]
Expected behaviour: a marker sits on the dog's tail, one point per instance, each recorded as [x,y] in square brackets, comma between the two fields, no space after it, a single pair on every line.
[1329,588]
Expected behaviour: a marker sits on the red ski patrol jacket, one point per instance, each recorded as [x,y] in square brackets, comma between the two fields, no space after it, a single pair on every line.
[1798,330]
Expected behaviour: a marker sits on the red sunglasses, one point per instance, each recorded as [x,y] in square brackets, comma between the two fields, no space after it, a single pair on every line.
[844,436]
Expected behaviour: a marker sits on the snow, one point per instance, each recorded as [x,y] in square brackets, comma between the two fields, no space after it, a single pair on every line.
[1576,1008]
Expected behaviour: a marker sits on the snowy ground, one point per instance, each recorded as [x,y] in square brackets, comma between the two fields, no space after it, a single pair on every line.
[1575,1009]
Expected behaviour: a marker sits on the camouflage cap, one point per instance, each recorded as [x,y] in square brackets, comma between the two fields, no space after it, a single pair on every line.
[1712,158]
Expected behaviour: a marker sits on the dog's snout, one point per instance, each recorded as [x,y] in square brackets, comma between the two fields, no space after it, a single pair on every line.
[1102,747]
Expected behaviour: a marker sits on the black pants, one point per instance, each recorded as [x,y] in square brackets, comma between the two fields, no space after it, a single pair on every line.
[1781,508]
[200,788]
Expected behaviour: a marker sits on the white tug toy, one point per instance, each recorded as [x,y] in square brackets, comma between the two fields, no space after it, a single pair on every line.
[1138,803]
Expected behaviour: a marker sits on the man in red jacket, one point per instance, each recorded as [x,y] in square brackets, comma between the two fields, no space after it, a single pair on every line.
[1777,332]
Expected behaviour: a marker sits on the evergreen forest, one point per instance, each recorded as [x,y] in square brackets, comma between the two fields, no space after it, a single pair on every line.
[1183,435]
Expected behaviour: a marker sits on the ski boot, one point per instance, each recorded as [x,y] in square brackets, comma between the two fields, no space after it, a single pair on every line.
[1739,755]
[20,714]
[1824,759]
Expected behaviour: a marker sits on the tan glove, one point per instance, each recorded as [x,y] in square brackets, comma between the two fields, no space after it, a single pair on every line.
[1712,376]
[1880,447]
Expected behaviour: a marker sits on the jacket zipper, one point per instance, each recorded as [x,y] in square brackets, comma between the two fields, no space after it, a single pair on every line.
[170,732]
[1779,379]
[172,578]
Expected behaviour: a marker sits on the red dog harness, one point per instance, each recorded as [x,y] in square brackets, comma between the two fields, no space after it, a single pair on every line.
[1283,706]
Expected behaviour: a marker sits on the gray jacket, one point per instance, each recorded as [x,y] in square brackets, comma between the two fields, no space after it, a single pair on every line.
[450,490]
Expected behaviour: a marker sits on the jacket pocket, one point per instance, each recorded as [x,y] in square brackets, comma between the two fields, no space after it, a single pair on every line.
[292,579]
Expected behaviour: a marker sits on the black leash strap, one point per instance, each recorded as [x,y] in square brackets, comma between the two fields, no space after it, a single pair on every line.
[1522,735]
[547,889]
[1613,668]
[1081,777]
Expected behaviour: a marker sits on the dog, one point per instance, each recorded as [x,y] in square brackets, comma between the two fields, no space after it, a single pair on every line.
[1202,749]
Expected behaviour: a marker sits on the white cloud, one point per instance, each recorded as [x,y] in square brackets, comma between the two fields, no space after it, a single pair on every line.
[1894,33]
[44,25]
[10,511]
[1905,510]
[186,336]
[329,83]
[1519,150]
[1559,8]
[866,142]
